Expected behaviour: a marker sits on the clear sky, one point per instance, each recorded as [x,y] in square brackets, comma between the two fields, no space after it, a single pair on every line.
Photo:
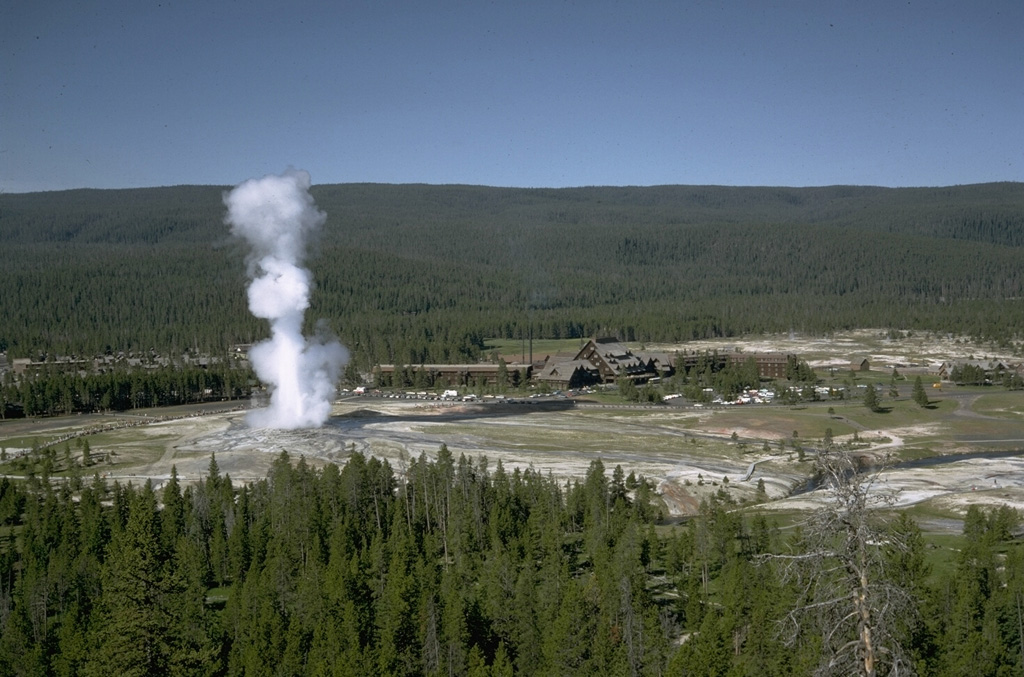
[111,94]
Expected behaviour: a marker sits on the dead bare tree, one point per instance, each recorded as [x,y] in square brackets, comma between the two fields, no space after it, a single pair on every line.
[849,594]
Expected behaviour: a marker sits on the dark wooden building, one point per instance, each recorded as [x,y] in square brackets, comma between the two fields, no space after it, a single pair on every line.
[457,374]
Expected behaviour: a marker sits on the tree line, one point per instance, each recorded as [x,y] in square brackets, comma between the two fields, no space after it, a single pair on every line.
[412,274]
[54,390]
[456,567]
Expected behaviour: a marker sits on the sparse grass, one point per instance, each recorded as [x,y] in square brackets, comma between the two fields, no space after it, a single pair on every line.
[386,448]
[682,419]
[603,397]
[26,441]
[911,451]
[621,432]
[783,520]
[901,413]
[980,429]
[217,598]
[179,454]
[777,422]
[1005,404]
[929,510]
[220,594]
[941,551]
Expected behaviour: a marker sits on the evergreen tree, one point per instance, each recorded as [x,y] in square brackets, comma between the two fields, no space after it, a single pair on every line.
[140,629]
[871,397]
[920,394]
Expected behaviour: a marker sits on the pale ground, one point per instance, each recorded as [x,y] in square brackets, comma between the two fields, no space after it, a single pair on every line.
[682,451]
[400,430]
[683,471]
[918,351]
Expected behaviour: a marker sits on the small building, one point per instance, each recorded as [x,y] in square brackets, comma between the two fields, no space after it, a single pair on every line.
[23,366]
[860,364]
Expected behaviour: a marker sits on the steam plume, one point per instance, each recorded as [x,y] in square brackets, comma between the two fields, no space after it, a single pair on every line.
[276,215]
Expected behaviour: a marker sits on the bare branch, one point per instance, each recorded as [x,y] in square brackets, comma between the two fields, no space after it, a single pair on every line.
[847,597]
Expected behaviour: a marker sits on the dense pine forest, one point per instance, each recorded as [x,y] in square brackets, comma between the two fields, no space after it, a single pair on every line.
[414,273]
[452,567]
[55,391]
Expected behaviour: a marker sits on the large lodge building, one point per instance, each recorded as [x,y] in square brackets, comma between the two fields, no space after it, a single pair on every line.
[486,373]
[598,361]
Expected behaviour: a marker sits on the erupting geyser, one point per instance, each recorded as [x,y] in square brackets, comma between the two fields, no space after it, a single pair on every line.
[276,215]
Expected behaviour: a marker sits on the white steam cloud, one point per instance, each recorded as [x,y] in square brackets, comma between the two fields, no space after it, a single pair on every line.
[276,215]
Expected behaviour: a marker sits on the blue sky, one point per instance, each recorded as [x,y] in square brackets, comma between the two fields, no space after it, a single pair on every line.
[139,93]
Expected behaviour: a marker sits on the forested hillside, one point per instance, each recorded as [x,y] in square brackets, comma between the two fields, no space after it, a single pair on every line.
[411,273]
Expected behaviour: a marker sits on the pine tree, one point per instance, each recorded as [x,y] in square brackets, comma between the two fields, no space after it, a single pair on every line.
[871,398]
[132,625]
[172,517]
[920,395]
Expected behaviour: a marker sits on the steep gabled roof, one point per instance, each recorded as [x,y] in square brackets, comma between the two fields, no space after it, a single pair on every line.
[561,370]
[612,359]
